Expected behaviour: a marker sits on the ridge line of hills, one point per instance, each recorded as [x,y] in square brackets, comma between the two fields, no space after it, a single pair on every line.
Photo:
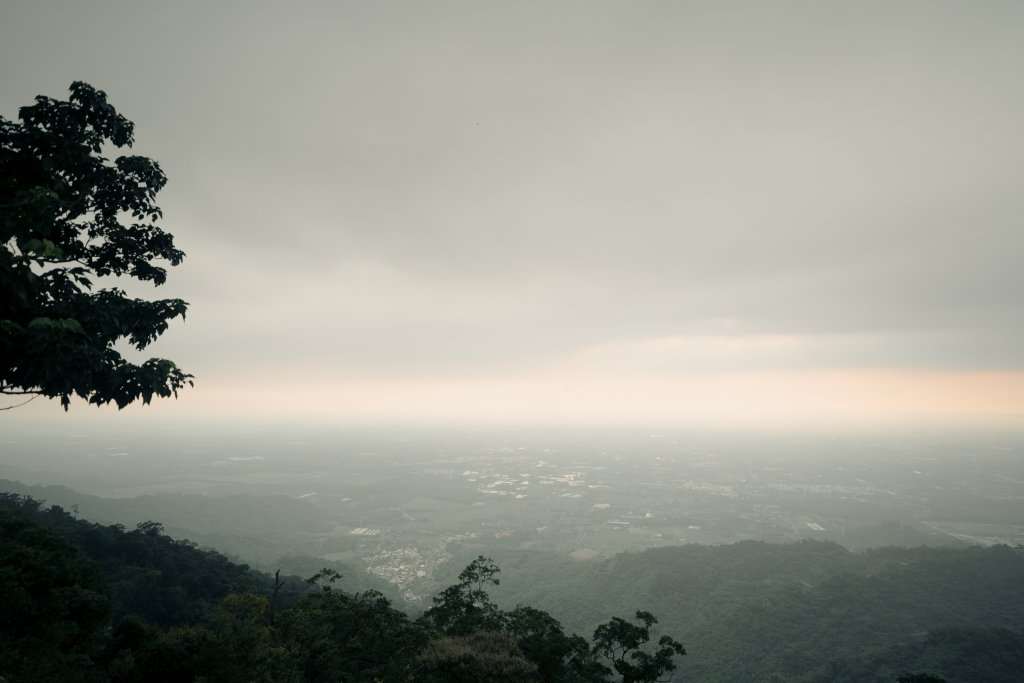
[808,611]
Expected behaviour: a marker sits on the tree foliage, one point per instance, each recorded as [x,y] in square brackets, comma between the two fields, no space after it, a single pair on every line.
[466,606]
[528,643]
[483,656]
[559,658]
[620,642]
[165,582]
[338,636]
[69,217]
[54,607]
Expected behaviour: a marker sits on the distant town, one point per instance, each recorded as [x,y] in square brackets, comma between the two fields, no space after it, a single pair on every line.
[404,507]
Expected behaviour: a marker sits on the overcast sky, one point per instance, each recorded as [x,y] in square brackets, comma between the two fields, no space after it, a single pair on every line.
[541,211]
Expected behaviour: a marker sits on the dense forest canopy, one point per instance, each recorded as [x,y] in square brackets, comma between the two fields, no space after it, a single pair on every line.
[95,603]
[102,603]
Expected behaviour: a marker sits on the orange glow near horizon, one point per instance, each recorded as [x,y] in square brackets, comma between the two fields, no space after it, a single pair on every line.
[758,399]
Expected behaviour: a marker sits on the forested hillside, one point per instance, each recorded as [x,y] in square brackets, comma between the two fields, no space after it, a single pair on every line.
[236,521]
[810,611]
[88,602]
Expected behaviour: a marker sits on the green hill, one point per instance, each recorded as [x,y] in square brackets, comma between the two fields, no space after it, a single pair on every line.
[88,602]
[810,611]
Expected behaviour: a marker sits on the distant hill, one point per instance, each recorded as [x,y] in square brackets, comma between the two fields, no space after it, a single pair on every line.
[261,530]
[164,581]
[809,611]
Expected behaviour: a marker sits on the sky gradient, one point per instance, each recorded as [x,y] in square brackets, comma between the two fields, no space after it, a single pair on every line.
[664,212]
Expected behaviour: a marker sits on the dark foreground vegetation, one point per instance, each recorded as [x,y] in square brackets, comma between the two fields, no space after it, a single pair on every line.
[86,602]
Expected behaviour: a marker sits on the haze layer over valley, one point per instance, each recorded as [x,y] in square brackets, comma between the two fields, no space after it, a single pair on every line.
[408,505]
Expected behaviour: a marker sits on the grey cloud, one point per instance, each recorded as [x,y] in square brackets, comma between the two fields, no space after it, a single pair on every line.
[532,179]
